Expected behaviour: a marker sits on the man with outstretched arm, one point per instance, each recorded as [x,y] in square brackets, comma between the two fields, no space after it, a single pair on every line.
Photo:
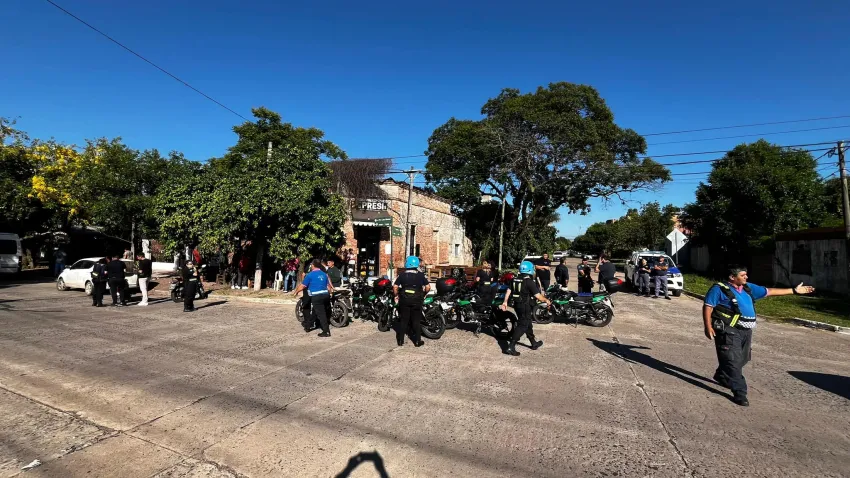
[729,317]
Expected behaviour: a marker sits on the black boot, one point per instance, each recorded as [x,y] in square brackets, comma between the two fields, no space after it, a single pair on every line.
[511,350]
[535,344]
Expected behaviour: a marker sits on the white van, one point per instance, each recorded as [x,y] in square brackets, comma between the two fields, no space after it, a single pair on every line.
[11,254]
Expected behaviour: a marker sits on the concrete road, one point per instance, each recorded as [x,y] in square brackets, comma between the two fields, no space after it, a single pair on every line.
[239,389]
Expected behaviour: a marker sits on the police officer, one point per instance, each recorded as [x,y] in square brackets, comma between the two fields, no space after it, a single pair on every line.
[729,317]
[190,285]
[544,273]
[319,290]
[484,282]
[525,290]
[410,289]
[585,282]
[334,274]
[116,271]
[562,273]
[98,280]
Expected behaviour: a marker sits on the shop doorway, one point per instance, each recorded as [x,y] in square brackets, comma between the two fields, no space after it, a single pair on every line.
[368,252]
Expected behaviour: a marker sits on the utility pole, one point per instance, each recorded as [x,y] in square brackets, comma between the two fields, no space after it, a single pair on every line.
[411,173]
[842,171]
[261,253]
[502,228]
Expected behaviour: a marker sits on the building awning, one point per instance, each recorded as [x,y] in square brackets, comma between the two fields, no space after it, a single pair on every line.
[368,218]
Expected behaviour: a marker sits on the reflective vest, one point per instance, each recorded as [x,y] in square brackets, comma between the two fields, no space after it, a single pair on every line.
[730,316]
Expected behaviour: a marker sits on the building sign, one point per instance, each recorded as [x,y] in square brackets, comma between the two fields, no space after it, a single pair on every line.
[372,205]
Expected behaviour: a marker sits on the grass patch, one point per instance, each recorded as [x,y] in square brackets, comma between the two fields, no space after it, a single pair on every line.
[831,310]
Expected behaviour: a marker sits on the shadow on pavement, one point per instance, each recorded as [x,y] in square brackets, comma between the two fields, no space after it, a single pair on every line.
[361,458]
[630,353]
[212,304]
[836,384]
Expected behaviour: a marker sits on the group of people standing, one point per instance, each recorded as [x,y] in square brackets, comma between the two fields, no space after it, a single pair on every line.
[657,272]
[113,271]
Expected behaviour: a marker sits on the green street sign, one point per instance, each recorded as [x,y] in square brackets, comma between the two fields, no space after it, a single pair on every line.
[384,221]
[396,231]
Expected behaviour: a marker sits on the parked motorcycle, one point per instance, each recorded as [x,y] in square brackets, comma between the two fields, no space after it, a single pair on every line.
[339,309]
[433,326]
[596,309]
[470,308]
[177,286]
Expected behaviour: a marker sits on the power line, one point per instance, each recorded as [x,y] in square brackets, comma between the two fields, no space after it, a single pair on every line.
[747,125]
[687,154]
[749,135]
[146,60]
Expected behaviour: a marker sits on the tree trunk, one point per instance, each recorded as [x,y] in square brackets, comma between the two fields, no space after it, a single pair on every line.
[258,272]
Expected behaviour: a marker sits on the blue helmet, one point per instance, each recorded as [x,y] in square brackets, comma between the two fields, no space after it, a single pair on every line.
[526,267]
[412,262]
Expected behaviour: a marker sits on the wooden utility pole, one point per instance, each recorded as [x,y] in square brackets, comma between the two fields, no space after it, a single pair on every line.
[842,171]
[502,228]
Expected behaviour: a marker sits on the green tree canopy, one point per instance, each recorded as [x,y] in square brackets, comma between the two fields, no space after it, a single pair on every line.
[284,202]
[556,147]
[755,191]
[646,228]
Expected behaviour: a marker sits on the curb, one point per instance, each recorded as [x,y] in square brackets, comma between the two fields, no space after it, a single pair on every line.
[255,300]
[820,325]
[812,324]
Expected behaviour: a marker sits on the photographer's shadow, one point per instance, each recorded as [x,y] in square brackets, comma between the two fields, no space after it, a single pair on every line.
[361,458]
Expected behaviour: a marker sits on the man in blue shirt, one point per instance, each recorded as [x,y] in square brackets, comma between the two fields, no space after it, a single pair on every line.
[319,290]
[729,316]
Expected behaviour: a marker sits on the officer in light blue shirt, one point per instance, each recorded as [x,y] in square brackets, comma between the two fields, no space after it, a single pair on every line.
[319,290]
[729,316]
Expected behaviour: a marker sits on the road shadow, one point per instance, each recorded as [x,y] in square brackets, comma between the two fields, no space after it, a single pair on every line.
[212,304]
[361,458]
[502,340]
[837,384]
[631,354]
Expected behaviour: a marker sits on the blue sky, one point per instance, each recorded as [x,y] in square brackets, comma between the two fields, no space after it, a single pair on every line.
[379,77]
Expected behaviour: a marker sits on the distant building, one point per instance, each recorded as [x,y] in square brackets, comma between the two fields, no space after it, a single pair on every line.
[437,236]
[815,256]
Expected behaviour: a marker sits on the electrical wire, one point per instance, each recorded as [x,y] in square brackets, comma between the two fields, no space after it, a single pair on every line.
[146,60]
[747,125]
[749,135]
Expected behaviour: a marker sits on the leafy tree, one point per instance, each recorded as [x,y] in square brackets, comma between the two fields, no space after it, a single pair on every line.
[756,190]
[20,211]
[562,243]
[285,203]
[255,136]
[556,147]
[647,228]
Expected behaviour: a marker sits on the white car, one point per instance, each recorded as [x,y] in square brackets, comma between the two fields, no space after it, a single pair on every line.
[558,255]
[78,276]
[675,281]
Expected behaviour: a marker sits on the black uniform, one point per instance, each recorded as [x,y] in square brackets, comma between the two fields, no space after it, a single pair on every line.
[98,280]
[335,276]
[607,270]
[544,276]
[585,282]
[562,275]
[190,288]
[115,272]
[524,288]
[484,286]
[411,294]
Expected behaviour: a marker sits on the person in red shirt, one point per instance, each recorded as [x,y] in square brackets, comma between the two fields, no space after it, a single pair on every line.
[244,270]
[291,273]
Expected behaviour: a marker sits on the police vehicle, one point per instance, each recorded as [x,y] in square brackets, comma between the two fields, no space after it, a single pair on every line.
[675,281]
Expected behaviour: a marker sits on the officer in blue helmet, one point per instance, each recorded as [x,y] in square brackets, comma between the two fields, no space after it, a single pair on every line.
[525,290]
[410,289]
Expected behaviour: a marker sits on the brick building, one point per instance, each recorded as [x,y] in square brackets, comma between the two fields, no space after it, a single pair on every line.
[437,237]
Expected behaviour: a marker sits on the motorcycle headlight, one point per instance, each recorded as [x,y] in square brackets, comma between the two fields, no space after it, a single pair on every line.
[16,259]
[677,275]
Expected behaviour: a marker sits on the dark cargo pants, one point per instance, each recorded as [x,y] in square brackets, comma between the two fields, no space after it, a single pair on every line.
[734,350]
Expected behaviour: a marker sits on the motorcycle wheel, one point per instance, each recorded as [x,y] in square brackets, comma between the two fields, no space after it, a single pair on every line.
[299,311]
[177,295]
[433,325]
[385,322]
[603,317]
[339,315]
[542,314]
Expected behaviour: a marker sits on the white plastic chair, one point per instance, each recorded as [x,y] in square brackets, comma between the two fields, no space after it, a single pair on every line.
[278,280]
